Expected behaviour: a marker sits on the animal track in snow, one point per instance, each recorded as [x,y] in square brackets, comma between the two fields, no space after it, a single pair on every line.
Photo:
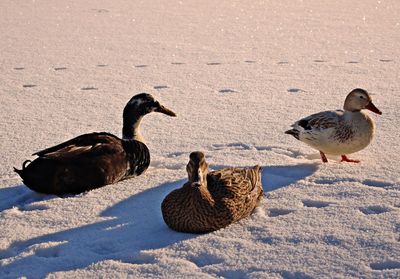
[101,65]
[141,66]
[332,240]
[250,61]
[178,63]
[375,209]
[158,87]
[204,259]
[89,88]
[316,204]
[29,85]
[33,207]
[377,183]
[19,68]
[282,151]
[385,60]
[366,182]
[282,62]
[320,61]
[51,252]
[213,63]
[275,212]
[234,145]
[295,90]
[352,62]
[227,90]
[385,265]
[60,68]
[103,247]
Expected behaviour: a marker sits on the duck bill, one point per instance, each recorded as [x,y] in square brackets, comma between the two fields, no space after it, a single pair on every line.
[373,108]
[166,111]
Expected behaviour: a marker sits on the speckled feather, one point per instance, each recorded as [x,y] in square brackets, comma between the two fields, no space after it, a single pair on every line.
[231,194]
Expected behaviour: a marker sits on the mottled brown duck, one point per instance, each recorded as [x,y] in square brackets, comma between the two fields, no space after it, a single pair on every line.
[93,160]
[212,200]
[339,132]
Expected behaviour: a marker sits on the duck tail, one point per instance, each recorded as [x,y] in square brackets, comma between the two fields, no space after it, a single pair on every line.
[21,171]
[294,133]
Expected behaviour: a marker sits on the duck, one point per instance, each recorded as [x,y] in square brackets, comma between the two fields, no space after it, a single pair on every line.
[94,160]
[339,132]
[209,201]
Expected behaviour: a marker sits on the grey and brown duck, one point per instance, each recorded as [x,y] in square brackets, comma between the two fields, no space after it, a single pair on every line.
[93,160]
[212,200]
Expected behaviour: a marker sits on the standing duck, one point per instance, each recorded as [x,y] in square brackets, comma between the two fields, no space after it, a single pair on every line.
[212,200]
[339,132]
[93,160]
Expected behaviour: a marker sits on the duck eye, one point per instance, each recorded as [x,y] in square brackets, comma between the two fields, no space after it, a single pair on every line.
[362,97]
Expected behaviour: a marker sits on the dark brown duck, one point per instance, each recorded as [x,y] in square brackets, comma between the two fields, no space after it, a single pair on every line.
[212,200]
[93,160]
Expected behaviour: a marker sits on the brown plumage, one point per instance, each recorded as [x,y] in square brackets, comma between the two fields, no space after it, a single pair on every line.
[93,160]
[211,201]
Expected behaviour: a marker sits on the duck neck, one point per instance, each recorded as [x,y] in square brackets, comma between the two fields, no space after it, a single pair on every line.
[131,128]
[202,193]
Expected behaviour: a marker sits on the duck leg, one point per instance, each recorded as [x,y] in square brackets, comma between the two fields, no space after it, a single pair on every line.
[323,157]
[345,159]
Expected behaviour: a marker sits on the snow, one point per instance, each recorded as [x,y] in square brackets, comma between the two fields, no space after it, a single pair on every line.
[238,74]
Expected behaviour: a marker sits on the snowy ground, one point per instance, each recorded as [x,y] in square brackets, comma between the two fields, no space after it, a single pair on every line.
[237,73]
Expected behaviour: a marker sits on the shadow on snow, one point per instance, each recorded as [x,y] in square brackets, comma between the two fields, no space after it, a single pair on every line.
[134,225]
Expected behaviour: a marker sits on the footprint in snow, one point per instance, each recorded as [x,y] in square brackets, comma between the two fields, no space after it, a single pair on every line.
[51,252]
[320,61]
[158,87]
[375,209]
[295,90]
[19,68]
[204,259]
[315,204]
[33,207]
[352,62]
[227,90]
[60,68]
[89,88]
[385,265]
[275,212]
[29,85]
[101,65]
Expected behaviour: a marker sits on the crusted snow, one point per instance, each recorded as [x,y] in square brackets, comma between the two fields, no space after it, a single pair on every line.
[238,74]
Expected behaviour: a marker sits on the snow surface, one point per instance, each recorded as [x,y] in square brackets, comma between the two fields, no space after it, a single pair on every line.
[237,73]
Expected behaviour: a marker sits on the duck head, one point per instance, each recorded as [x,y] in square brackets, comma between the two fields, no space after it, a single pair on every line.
[137,107]
[197,169]
[359,99]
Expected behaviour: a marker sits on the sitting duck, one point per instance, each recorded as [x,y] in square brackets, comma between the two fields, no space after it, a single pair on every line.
[93,160]
[339,132]
[212,200]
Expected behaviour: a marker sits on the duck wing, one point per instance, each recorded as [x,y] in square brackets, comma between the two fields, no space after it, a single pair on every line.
[319,121]
[87,145]
[235,182]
